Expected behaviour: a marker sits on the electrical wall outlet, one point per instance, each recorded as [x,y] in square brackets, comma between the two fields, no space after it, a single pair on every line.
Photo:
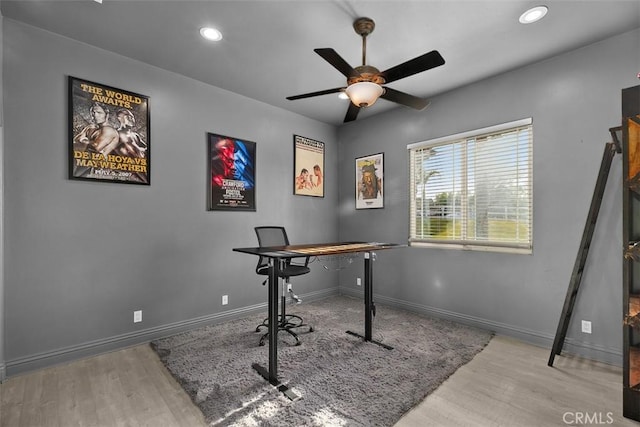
[137,316]
[358,281]
[225,299]
[586,326]
[289,287]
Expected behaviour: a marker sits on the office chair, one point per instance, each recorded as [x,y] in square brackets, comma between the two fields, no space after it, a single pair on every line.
[277,236]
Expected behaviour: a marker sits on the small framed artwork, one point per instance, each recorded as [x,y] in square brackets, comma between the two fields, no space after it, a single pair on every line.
[308,160]
[108,134]
[231,173]
[370,181]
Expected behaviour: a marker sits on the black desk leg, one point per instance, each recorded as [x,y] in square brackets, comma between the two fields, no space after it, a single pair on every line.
[271,375]
[369,306]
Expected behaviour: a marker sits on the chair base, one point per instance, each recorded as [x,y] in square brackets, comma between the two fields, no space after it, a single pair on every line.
[285,323]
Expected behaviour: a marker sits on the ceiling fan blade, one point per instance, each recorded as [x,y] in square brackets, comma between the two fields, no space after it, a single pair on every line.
[352,112]
[404,99]
[320,92]
[332,57]
[413,66]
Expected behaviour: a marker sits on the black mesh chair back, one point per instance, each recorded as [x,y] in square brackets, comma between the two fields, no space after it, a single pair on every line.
[272,236]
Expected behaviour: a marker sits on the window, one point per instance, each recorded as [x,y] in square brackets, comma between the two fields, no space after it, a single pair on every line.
[473,190]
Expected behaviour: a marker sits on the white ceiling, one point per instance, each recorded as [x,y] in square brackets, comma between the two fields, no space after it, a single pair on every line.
[267,50]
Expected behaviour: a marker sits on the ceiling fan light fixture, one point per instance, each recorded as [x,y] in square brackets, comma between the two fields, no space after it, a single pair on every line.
[212,34]
[533,15]
[364,94]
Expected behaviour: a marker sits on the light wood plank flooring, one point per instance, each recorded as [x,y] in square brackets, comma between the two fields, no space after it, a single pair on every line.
[510,384]
[507,384]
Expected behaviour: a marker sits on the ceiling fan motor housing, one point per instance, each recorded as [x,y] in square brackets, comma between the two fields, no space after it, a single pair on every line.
[367,73]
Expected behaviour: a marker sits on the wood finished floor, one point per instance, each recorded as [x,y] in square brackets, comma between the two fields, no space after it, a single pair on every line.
[507,384]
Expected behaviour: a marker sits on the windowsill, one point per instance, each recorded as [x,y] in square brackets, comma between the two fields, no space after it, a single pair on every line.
[469,247]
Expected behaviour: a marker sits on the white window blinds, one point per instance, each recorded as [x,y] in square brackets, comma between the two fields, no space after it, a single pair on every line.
[473,189]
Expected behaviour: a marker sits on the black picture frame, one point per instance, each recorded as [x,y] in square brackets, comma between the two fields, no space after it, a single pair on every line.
[109,134]
[231,173]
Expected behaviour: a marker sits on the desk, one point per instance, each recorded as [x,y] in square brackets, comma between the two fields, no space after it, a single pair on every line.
[276,254]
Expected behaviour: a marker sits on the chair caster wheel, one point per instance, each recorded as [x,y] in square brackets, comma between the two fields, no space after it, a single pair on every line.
[298,343]
[310,329]
[261,344]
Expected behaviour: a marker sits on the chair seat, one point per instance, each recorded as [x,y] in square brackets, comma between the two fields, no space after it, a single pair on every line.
[294,270]
[289,271]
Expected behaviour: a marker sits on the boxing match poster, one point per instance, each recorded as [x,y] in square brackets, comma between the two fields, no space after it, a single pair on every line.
[370,181]
[308,179]
[108,133]
[232,174]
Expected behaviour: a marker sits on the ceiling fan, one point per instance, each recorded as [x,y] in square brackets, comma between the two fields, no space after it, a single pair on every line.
[365,83]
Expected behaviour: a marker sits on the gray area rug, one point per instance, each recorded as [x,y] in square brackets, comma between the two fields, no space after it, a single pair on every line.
[343,380]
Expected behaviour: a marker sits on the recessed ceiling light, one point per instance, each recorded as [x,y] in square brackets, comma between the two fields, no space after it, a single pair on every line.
[211,34]
[534,14]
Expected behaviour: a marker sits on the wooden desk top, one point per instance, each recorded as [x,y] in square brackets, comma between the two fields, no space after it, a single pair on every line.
[316,249]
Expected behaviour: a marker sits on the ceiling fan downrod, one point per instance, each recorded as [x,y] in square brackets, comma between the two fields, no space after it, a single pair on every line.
[364,27]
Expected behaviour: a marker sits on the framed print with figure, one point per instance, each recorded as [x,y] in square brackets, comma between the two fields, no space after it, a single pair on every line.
[308,170]
[232,173]
[108,134]
[370,181]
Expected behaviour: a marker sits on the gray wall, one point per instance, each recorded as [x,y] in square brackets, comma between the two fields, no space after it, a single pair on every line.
[573,99]
[82,256]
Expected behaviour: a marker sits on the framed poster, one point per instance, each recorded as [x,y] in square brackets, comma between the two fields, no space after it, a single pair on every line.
[232,174]
[108,134]
[308,171]
[370,181]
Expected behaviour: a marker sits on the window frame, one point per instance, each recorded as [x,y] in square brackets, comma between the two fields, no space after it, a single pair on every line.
[459,244]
